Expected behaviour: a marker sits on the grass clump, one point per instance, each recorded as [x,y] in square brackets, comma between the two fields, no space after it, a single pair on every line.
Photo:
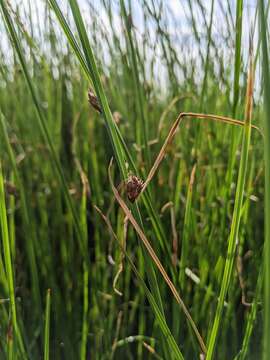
[160,254]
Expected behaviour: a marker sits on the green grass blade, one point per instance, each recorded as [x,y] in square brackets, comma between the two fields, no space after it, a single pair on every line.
[251,320]
[206,63]
[232,242]
[266,88]
[237,56]
[47,326]
[85,320]
[236,92]
[42,122]
[115,139]
[186,231]
[72,41]
[8,265]
[141,125]
[25,213]
[173,347]
[92,67]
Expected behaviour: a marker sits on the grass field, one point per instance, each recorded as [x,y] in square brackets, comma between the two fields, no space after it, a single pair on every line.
[134,179]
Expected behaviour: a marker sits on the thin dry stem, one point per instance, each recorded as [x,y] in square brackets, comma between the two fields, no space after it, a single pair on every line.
[169,108]
[172,133]
[156,260]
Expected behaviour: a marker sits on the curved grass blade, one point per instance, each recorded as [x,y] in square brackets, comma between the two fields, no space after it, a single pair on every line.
[172,133]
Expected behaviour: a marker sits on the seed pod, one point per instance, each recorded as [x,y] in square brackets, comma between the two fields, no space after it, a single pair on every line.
[133,187]
[93,101]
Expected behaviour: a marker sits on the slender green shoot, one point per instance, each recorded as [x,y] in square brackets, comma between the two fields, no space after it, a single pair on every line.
[232,242]
[266,89]
[47,326]
[8,265]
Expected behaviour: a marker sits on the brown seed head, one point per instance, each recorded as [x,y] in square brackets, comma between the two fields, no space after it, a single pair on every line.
[133,187]
[93,100]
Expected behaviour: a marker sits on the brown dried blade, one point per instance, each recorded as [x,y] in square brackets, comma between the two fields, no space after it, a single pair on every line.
[172,133]
[156,260]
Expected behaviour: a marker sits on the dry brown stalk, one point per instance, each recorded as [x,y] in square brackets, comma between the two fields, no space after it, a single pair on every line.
[156,260]
[173,131]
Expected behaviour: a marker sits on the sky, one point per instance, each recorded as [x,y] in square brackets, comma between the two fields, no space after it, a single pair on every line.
[177,11]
